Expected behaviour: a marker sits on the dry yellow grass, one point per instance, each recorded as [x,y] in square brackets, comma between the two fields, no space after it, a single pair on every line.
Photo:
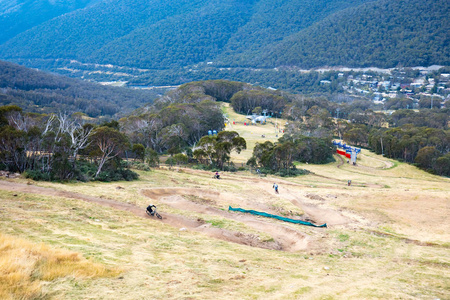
[253,133]
[395,244]
[403,233]
[24,266]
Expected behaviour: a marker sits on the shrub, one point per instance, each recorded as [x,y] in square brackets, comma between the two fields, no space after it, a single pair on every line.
[117,175]
[291,172]
[204,167]
[138,166]
[180,159]
[37,175]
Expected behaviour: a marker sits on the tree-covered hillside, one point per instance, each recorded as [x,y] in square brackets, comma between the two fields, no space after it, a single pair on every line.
[273,20]
[17,16]
[113,32]
[160,34]
[383,33]
[184,35]
[37,91]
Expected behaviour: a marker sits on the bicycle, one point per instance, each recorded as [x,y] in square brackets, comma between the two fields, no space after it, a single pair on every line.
[153,213]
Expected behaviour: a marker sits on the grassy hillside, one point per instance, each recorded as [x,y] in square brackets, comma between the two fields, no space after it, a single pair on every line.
[254,133]
[26,265]
[392,218]
[382,221]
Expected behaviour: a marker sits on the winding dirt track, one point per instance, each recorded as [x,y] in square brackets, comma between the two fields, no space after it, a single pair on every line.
[32,189]
[290,241]
[283,237]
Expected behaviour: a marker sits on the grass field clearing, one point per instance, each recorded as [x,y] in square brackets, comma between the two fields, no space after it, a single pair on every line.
[388,235]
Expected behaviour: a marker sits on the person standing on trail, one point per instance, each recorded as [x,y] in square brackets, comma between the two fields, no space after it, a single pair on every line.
[275,186]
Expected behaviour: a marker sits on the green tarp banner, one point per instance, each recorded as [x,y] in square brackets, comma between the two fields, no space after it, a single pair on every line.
[254,212]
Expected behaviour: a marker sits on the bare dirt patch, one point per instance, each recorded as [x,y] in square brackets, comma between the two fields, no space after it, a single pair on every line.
[315,197]
[281,242]
[255,193]
[285,238]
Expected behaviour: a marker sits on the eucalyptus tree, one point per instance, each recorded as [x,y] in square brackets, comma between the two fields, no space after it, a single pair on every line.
[218,148]
[110,142]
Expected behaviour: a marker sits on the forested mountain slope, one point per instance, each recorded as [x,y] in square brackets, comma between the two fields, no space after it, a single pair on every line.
[275,20]
[36,91]
[382,33]
[17,16]
[158,34]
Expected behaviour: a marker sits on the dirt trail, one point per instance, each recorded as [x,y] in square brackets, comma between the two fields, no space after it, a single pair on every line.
[341,161]
[314,213]
[286,238]
[170,219]
[32,189]
[387,164]
[203,201]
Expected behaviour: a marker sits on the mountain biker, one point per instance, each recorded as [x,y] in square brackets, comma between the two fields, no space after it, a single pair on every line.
[275,186]
[151,209]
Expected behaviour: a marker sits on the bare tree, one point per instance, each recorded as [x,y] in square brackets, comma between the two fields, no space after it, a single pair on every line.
[110,142]
[154,133]
[64,125]
[79,136]
[20,121]
[136,128]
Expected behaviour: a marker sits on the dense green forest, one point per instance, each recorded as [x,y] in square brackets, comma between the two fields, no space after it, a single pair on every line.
[381,33]
[283,79]
[61,146]
[44,129]
[36,91]
[21,15]
[168,36]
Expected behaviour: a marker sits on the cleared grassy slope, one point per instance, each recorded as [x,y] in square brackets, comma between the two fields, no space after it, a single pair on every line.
[387,237]
[396,223]
[253,133]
